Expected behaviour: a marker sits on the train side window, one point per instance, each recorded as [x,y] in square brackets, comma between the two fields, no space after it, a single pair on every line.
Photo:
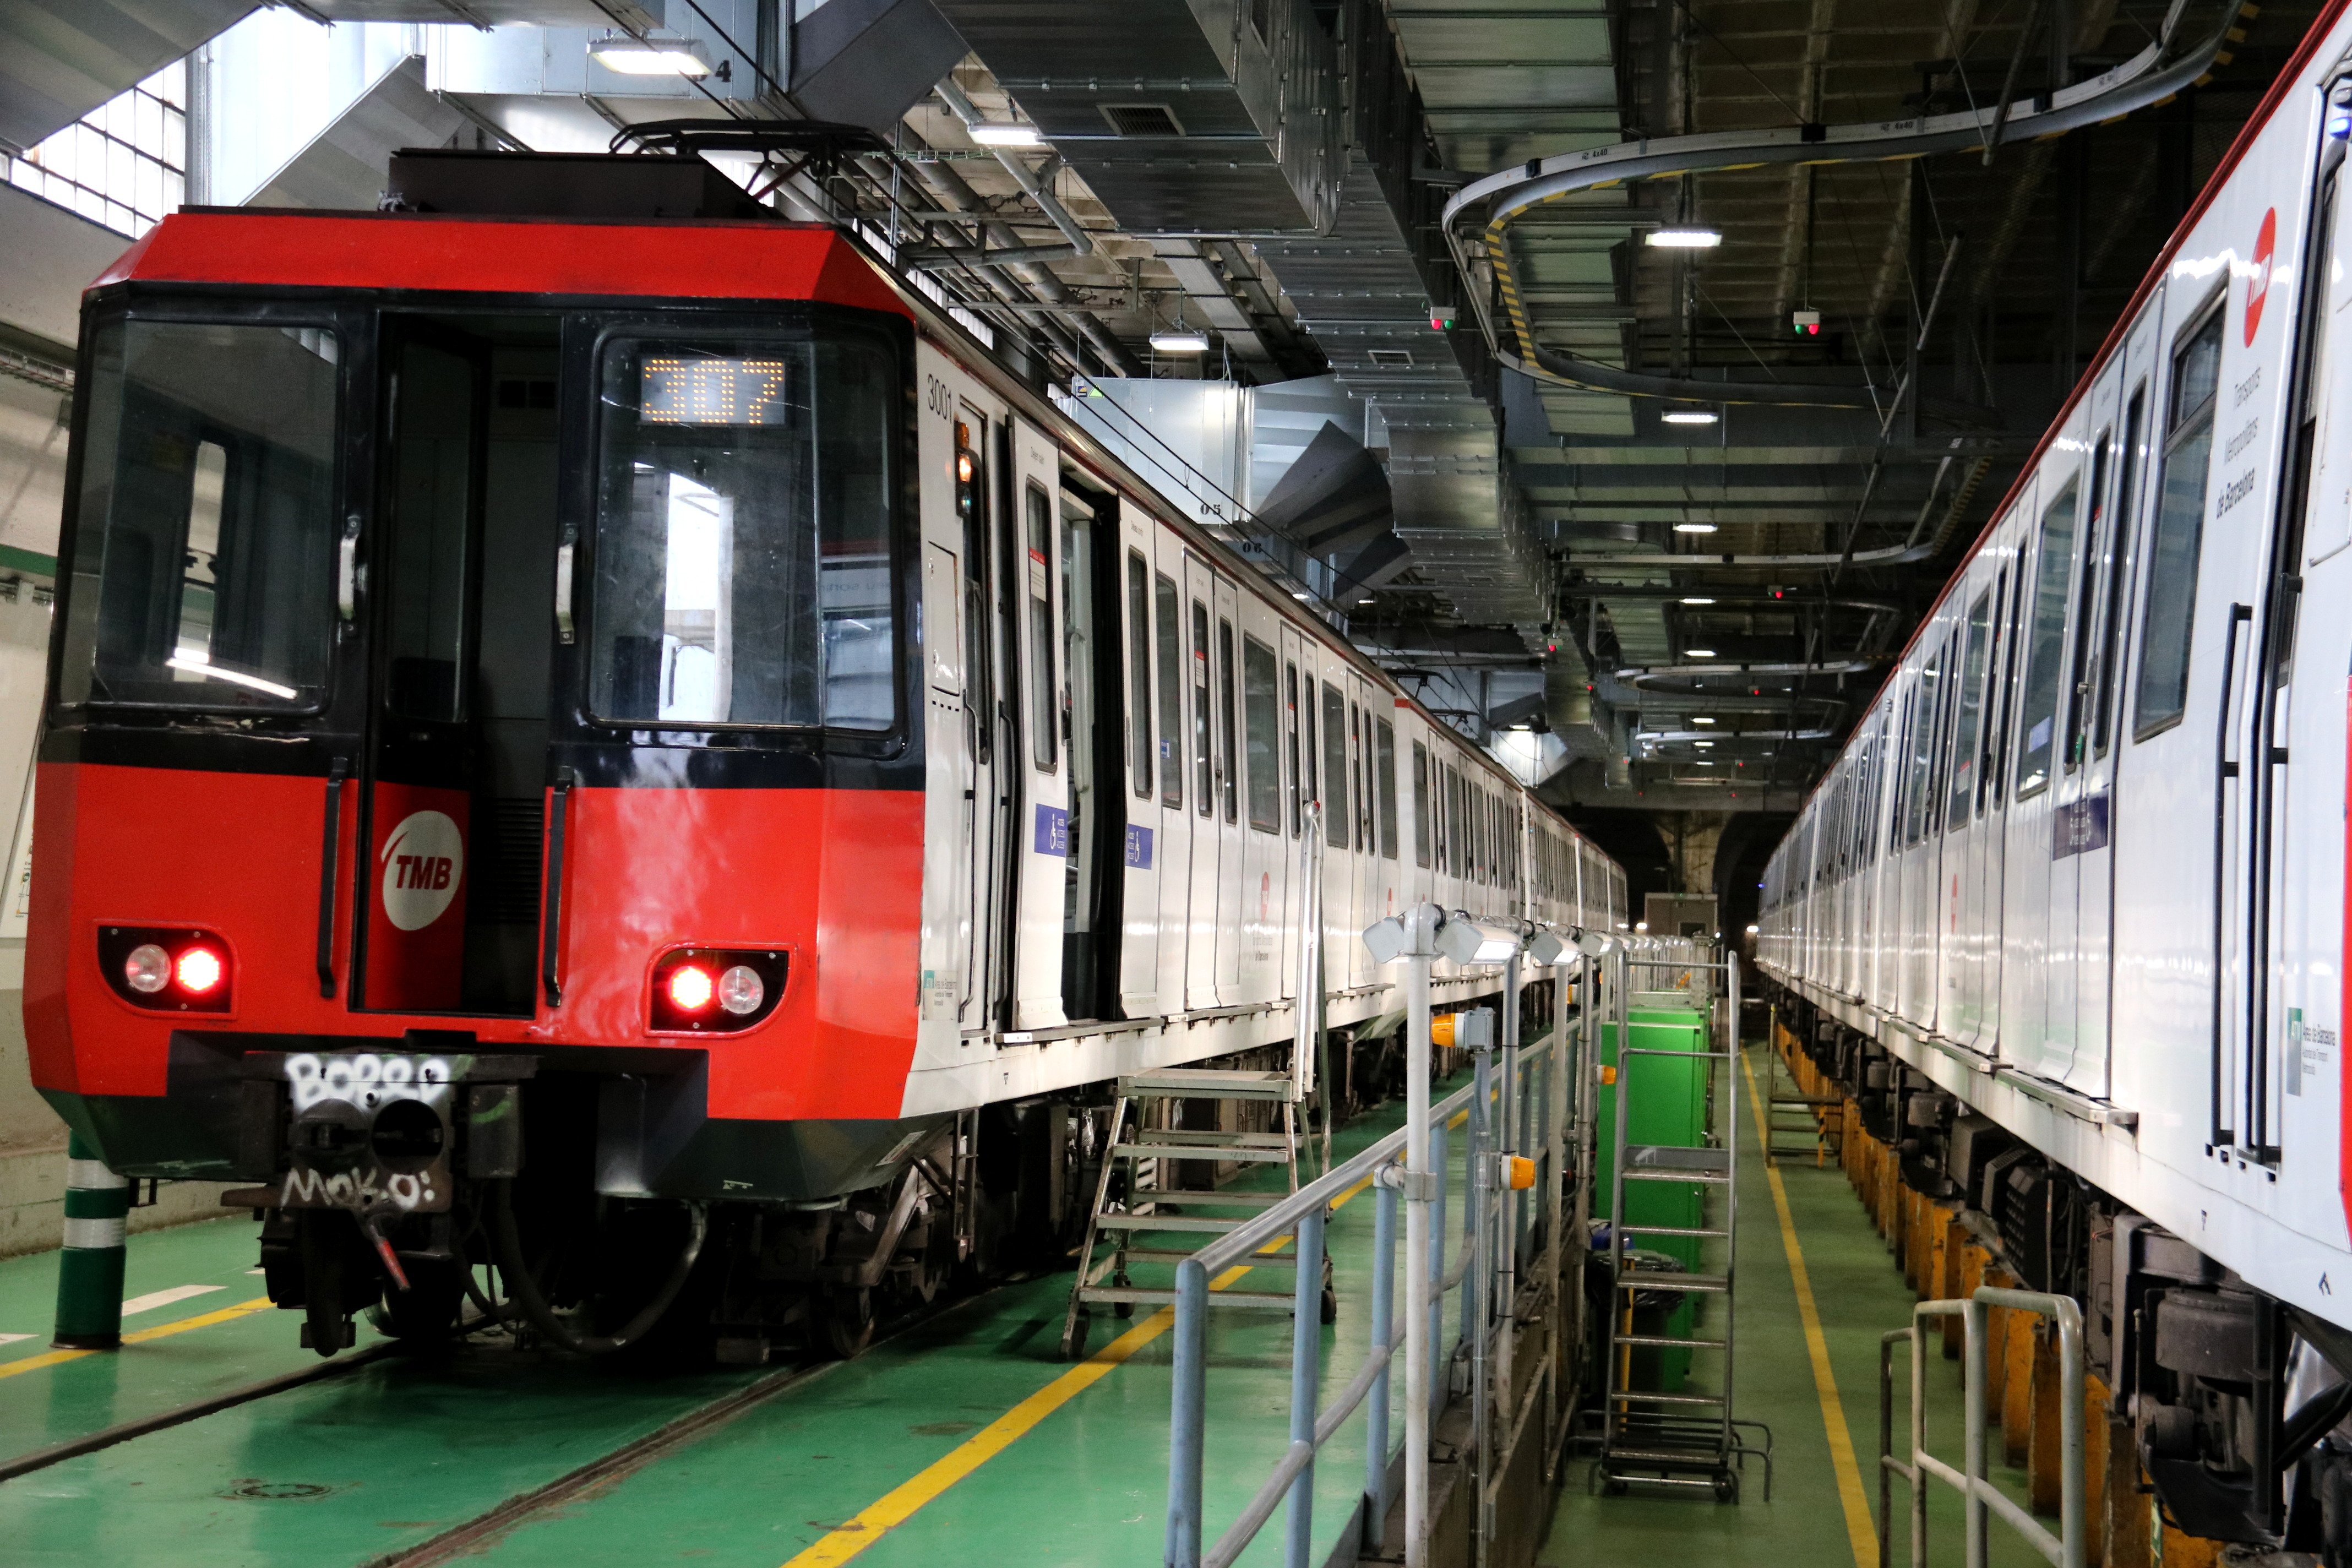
[1965,741]
[1171,691]
[1139,673]
[1228,758]
[2098,546]
[1290,747]
[1385,780]
[1335,768]
[1421,845]
[2045,647]
[2106,677]
[1261,733]
[2167,617]
[1204,763]
[1044,709]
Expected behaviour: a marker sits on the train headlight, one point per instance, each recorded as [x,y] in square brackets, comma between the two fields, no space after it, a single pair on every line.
[148,969]
[167,969]
[715,991]
[740,990]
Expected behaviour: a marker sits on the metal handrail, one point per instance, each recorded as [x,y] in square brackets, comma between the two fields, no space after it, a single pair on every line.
[1303,1213]
[2068,1548]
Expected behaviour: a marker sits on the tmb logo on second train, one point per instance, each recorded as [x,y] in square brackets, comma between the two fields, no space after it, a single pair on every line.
[2258,281]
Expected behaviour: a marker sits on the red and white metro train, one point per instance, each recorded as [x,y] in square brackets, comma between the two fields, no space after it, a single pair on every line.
[593,742]
[2070,910]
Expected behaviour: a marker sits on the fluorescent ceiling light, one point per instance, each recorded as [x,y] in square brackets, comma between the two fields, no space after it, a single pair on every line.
[1180,340]
[1690,416]
[1683,238]
[200,663]
[989,135]
[1697,601]
[1702,745]
[1694,528]
[1702,719]
[1698,653]
[636,56]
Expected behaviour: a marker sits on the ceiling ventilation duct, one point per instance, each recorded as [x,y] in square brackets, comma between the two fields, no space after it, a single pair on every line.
[1178,115]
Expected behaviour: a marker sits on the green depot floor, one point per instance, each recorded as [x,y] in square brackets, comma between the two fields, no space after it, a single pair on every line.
[1859,1293]
[983,1444]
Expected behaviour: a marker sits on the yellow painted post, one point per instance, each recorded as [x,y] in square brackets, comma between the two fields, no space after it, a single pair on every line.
[2045,1436]
[2023,1343]
[2096,1404]
[2128,1511]
[2176,1548]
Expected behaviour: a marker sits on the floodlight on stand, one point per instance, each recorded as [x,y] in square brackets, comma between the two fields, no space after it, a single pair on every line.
[1387,941]
[1592,943]
[1682,238]
[1005,135]
[1466,941]
[1544,949]
[649,56]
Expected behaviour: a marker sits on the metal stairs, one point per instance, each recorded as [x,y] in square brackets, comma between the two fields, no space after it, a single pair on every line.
[1148,1205]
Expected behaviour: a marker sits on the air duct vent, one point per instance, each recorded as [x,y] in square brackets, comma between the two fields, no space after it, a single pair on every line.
[1394,358]
[1142,120]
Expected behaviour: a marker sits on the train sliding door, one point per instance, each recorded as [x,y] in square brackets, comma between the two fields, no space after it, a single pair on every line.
[1203,916]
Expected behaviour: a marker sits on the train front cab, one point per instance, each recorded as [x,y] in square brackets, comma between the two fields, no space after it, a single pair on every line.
[509,689]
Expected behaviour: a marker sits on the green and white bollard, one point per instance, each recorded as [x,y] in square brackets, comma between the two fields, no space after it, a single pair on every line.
[90,1271]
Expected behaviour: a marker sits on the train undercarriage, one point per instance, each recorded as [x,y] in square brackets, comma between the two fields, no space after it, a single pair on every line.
[2235,1402]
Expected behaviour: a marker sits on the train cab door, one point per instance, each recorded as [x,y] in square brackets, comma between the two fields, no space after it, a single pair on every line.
[2086,834]
[1204,915]
[2071,803]
[1033,596]
[1266,877]
[1367,806]
[1092,879]
[1291,717]
[1143,846]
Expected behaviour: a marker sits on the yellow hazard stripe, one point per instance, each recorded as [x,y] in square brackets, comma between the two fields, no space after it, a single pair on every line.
[139,1336]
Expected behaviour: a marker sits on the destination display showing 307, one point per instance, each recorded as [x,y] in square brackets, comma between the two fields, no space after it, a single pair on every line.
[713,389]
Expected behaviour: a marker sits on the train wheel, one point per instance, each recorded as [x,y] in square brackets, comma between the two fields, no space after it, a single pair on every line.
[848,1321]
[428,1309]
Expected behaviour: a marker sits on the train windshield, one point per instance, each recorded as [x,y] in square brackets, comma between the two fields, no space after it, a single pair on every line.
[204,547]
[742,552]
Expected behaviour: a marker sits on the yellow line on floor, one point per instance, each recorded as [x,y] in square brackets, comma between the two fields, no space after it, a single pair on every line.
[896,1506]
[139,1336]
[1860,1530]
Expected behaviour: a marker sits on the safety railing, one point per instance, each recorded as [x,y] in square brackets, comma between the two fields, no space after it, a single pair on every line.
[1524,1101]
[1983,1499]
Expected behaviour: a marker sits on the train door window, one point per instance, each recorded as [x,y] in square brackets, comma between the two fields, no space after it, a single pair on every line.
[1896,817]
[1335,768]
[219,432]
[1965,740]
[1139,674]
[2169,612]
[971,507]
[2010,609]
[2105,678]
[1308,751]
[1290,747]
[1204,763]
[1045,708]
[1228,759]
[1261,718]
[1358,770]
[1171,690]
[433,548]
[1385,780]
[1420,847]
[2045,647]
[2098,546]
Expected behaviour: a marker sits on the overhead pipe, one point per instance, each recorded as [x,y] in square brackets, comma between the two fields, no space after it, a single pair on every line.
[1010,256]
[1050,205]
[1633,675]
[2134,84]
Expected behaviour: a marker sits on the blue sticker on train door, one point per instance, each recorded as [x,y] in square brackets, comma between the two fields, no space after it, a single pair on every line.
[1054,832]
[1139,847]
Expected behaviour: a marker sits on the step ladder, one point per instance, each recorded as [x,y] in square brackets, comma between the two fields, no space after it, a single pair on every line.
[1147,1217]
[1677,1437]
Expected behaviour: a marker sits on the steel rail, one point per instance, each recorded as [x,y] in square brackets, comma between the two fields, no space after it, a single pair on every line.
[2133,84]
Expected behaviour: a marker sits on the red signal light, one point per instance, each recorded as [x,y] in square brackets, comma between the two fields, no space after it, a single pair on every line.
[691,988]
[199,970]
